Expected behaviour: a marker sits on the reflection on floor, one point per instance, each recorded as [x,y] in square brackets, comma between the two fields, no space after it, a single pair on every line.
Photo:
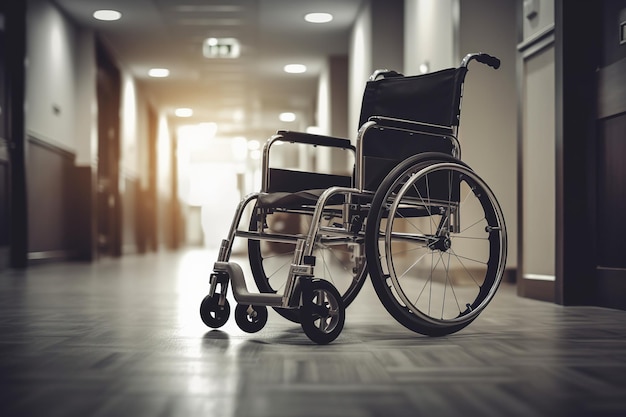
[123,338]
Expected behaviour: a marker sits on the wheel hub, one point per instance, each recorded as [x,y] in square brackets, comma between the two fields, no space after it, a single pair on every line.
[442,243]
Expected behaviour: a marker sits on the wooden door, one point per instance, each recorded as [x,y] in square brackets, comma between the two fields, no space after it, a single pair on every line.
[13,217]
[610,150]
[108,204]
[4,157]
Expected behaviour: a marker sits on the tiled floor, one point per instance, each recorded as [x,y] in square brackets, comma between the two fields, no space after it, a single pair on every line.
[124,338]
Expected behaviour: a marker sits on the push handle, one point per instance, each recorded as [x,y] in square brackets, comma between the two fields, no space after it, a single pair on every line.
[483,58]
[490,60]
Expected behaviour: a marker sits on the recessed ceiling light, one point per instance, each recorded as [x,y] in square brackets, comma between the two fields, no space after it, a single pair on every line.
[295,68]
[287,117]
[107,15]
[183,112]
[159,72]
[318,17]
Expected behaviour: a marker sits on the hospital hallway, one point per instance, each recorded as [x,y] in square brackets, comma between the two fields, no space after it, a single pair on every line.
[123,337]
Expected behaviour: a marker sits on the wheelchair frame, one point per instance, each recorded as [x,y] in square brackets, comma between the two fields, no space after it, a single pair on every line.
[317,304]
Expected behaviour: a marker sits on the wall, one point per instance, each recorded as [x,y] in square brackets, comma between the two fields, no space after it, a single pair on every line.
[168,215]
[332,114]
[133,153]
[324,103]
[53,64]
[360,64]
[542,19]
[430,34]
[61,124]
[439,33]
[376,41]
[52,67]
[387,40]
[537,144]
[538,156]
[332,96]
[488,128]
[86,143]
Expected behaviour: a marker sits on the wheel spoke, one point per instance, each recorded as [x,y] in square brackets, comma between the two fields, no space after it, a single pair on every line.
[456,299]
[467,271]
[472,225]
[412,266]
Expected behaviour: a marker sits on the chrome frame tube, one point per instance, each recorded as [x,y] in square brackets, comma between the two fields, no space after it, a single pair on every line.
[294,272]
[317,217]
[358,169]
[265,164]
[227,244]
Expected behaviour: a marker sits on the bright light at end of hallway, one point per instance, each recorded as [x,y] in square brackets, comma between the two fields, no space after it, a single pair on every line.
[253,145]
[239,147]
[197,133]
[183,112]
[318,17]
[107,15]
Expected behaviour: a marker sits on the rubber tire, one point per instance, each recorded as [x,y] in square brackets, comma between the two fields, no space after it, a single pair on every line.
[310,315]
[248,323]
[212,314]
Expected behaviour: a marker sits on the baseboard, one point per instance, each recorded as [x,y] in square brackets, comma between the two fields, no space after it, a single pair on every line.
[50,256]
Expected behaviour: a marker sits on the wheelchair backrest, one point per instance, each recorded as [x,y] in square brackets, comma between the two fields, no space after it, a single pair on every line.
[433,98]
[384,148]
[429,98]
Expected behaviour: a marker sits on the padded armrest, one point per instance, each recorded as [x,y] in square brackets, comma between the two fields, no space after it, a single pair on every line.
[312,139]
[411,125]
[269,182]
[291,181]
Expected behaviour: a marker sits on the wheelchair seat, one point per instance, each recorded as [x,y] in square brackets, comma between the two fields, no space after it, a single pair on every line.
[295,199]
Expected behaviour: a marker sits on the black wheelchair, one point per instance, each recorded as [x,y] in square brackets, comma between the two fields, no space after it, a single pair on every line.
[425,227]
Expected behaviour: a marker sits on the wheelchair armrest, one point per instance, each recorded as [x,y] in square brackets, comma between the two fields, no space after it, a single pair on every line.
[304,138]
[412,125]
[308,138]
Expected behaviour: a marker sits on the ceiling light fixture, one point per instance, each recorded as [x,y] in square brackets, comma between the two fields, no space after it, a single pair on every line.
[287,117]
[295,68]
[107,15]
[159,72]
[183,112]
[318,17]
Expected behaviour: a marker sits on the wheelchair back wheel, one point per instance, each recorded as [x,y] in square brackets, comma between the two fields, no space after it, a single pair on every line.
[436,242]
[339,262]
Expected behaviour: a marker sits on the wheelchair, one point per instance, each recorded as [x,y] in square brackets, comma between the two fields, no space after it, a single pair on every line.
[420,222]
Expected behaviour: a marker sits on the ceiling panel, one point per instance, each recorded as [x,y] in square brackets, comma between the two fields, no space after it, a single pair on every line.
[170,33]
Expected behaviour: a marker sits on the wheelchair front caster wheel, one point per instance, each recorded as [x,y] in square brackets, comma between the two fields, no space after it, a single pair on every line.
[249,318]
[213,314]
[322,313]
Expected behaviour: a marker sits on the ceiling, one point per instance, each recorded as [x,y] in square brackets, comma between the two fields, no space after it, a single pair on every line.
[244,95]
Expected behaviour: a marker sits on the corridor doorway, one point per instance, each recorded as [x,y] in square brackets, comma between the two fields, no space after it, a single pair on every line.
[108,203]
